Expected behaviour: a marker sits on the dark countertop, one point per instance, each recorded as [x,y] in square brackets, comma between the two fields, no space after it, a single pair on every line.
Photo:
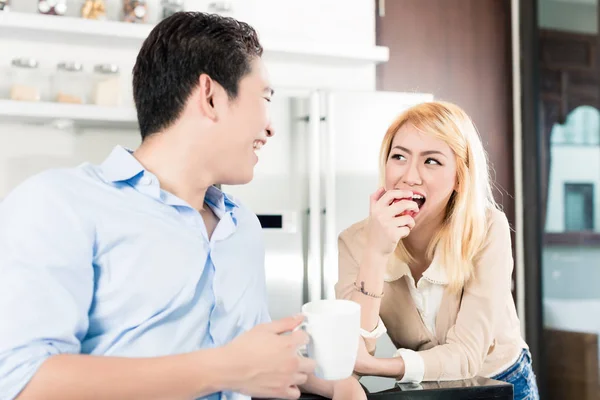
[477,388]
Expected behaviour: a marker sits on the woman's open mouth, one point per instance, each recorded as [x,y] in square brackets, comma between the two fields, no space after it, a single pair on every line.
[419,199]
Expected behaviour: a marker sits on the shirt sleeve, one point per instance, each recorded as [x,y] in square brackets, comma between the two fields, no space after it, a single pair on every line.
[376,333]
[47,279]
[414,367]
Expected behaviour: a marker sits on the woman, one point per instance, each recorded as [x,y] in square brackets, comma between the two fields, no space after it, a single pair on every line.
[432,263]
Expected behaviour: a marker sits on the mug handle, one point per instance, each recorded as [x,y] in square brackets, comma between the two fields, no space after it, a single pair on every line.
[303,350]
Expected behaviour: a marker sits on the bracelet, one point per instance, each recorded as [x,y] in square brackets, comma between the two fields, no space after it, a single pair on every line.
[363,291]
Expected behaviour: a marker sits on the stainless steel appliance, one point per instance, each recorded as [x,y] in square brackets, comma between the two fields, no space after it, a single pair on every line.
[314,180]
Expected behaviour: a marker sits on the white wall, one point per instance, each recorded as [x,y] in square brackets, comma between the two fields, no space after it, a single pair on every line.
[25,150]
[569,15]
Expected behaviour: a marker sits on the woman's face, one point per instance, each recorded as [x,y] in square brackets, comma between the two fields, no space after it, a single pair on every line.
[424,165]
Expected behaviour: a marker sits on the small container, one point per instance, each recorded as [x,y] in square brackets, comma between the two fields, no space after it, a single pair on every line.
[135,11]
[70,83]
[93,9]
[4,5]
[106,89]
[170,7]
[52,7]
[5,82]
[26,80]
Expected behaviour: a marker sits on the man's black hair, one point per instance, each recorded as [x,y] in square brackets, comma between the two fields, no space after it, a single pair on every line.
[177,51]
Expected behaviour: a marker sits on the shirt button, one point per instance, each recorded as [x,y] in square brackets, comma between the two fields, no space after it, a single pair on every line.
[146,180]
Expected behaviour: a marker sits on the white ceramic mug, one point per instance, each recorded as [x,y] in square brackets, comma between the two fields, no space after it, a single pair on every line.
[334,330]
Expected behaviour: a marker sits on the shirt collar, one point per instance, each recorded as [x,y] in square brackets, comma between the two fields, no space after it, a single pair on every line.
[217,198]
[121,165]
[221,203]
[435,273]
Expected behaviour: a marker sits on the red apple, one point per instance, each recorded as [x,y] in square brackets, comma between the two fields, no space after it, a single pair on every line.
[412,213]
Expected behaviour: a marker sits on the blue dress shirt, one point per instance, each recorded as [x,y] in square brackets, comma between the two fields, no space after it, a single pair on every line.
[100,260]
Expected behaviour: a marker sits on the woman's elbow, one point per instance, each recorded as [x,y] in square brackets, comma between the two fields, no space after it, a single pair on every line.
[472,365]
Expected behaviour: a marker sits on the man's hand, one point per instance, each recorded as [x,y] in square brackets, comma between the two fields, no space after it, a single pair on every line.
[266,362]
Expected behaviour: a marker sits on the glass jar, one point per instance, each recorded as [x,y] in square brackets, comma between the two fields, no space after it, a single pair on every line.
[52,7]
[170,7]
[93,9]
[106,86]
[135,11]
[26,80]
[4,5]
[5,82]
[70,83]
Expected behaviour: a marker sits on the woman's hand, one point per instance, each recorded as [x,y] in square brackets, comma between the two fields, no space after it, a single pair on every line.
[390,219]
[364,360]
[368,365]
[348,389]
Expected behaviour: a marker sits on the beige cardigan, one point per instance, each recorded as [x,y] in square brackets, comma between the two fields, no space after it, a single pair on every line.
[478,335]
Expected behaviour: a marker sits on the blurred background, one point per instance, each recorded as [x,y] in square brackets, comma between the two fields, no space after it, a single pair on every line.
[527,71]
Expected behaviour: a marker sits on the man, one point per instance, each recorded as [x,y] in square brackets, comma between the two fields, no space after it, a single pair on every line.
[142,260]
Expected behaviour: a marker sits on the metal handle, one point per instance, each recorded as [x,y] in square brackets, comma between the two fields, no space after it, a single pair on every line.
[330,240]
[314,199]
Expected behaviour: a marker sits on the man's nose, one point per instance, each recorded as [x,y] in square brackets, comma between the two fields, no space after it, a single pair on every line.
[270,130]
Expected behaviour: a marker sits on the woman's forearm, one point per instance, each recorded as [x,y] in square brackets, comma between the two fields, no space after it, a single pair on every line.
[318,386]
[385,367]
[370,276]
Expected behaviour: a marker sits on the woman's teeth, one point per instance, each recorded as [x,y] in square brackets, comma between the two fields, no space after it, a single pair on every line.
[420,200]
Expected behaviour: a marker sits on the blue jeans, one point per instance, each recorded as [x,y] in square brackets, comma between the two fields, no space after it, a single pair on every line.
[521,376]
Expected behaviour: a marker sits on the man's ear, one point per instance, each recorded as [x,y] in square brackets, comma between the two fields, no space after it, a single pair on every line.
[206,98]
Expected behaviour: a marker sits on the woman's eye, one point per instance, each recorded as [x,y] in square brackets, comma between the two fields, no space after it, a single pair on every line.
[398,157]
[432,161]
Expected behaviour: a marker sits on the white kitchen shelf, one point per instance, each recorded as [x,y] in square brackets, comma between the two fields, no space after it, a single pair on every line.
[69,29]
[65,30]
[81,115]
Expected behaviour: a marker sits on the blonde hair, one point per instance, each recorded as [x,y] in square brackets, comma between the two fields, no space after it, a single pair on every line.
[464,227]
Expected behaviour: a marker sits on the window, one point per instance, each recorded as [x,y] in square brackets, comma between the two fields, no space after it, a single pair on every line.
[579,206]
[582,127]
